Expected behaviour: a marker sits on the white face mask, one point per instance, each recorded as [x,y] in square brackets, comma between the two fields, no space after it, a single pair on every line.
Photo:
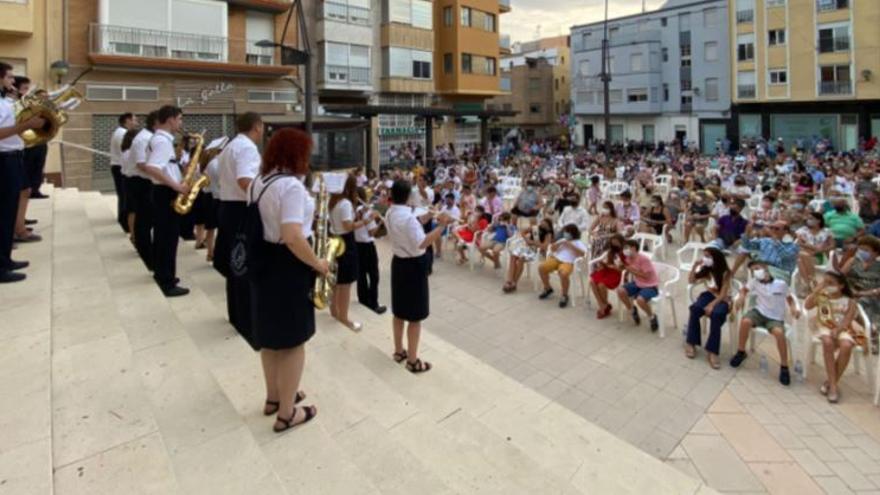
[760,274]
[707,261]
[608,211]
[628,252]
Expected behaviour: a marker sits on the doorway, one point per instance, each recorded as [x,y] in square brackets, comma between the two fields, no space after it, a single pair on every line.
[588,134]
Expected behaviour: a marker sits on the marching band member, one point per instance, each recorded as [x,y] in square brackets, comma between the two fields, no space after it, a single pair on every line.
[284,275]
[127,170]
[22,232]
[343,224]
[239,164]
[127,121]
[409,274]
[368,258]
[140,189]
[208,204]
[166,176]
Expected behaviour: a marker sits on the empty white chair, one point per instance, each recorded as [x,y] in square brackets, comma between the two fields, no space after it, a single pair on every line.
[650,244]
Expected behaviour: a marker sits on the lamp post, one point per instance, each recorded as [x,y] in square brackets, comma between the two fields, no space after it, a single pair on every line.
[58,70]
[294,56]
[606,84]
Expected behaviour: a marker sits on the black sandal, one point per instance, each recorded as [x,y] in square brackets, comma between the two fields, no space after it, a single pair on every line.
[400,357]
[274,405]
[418,366]
[310,411]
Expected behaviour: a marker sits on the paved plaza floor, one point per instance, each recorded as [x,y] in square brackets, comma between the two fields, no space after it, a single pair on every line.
[107,387]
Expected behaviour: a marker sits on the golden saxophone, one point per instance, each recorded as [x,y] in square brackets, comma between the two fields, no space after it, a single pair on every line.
[184,202]
[327,247]
[53,109]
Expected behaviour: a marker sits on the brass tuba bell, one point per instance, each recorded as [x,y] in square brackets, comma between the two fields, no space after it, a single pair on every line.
[53,109]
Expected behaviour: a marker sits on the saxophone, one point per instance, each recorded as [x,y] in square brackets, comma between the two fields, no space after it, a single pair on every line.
[184,202]
[327,247]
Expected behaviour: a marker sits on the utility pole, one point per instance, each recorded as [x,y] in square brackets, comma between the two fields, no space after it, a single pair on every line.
[606,83]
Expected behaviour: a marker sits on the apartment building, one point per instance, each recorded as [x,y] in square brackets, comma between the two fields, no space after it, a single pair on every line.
[670,75]
[804,69]
[536,79]
[31,41]
[201,55]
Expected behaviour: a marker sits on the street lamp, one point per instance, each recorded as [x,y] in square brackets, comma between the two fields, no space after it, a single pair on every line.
[58,70]
[293,56]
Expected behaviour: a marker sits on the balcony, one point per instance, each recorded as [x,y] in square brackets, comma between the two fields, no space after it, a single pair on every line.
[504,6]
[504,44]
[745,16]
[340,12]
[18,18]
[627,38]
[835,88]
[829,5]
[345,77]
[745,91]
[834,44]
[170,51]
[273,6]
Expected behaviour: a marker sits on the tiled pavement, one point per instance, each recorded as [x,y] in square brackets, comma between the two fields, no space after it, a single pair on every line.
[738,430]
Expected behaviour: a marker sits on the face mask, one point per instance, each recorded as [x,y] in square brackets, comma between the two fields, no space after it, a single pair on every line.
[708,261]
[566,236]
[627,252]
[798,206]
[760,274]
[608,211]
[864,255]
[812,223]
[831,291]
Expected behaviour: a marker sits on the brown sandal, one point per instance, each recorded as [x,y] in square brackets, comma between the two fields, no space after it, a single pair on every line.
[273,405]
[418,366]
[310,411]
[400,357]
[690,351]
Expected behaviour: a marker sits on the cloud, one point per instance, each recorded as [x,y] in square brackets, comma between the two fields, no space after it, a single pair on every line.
[556,17]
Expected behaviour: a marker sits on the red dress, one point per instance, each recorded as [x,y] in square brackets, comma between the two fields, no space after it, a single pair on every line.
[607,276]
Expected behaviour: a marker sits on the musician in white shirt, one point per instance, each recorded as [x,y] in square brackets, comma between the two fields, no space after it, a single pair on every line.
[162,167]
[239,164]
[141,189]
[409,274]
[127,121]
[368,258]
[343,224]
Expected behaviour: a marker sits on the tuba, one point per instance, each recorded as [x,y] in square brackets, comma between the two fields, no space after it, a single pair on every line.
[53,109]
[184,202]
[327,247]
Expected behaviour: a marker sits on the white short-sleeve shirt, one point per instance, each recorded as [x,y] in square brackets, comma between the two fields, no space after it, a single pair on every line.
[417,200]
[770,297]
[362,233]
[405,231]
[160,155]
[342,212]
[7,119]
[139,152]
[116,146]
[126,163]
[240,159]
[286,201]
[566,255]
[212,170]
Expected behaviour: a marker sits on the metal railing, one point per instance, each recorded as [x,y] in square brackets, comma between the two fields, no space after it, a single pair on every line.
[835,87]
[745,90]
[344,74]
[835,44]
[827,5]
[743,16]
[345,13]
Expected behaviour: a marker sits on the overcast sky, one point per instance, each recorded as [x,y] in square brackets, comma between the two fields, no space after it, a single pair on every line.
[555,17]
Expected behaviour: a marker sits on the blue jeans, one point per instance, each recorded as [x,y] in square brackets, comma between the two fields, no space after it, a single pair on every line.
[717,318]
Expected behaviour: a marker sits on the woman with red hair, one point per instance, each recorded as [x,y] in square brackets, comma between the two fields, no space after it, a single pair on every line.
[282,270]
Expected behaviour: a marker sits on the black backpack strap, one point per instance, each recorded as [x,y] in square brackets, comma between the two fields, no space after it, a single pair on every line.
[266,183]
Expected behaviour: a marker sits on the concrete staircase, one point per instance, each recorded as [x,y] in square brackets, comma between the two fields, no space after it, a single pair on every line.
[111,388]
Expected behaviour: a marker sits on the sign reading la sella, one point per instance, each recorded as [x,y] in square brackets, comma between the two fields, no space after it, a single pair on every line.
[202,96]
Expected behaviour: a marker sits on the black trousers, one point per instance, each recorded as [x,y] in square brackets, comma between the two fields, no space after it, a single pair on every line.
[34,164]
[119,186]
[238,293]
[368,275]
[429,252]
[166,234]
[140,194]
[10,190]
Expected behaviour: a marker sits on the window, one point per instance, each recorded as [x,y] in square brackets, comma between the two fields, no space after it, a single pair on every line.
[835,80]
[422,14]
[416,13]
[408,63]
[711,89]
[490,66]
[466,16]
[687,101]
[534,108]
[271,96]
[665,92]
[635,62]
[556,84]
[421,68]
[466,63]
[685,50]
[745,11]
[823,5]
[745,47]
[121,93]
[776,37]
[584,67]
[711,51]
[686,62]
[686,85]
[447,16]
[664,54]
[489,22]
[615,96]
[834,38]
[534,84]
[506,84]
[710,17]
[745,84]
[778,76]
[448,66]
[636,95]
[663,22]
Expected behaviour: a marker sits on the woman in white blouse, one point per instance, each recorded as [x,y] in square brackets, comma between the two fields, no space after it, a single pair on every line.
[282,270]
[343,224]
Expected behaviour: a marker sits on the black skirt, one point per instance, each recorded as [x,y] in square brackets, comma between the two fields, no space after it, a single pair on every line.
[205,210]
[347,264]
[410,297]
[283,313]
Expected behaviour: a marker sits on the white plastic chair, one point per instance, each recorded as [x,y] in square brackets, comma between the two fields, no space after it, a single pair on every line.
[671,275]
[663,180]
[689,254]
[862,356]
[471,247]
[650,244]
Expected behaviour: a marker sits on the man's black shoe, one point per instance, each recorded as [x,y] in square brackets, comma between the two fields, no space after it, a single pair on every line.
[19,265]
[39,196]
[30,222]
[737,359]
[176,291]
[380,310]
[9,277]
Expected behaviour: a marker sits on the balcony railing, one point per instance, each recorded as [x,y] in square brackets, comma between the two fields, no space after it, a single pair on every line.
[344,74]
[745,90]
[837,44]
[341,12]
[504,42]
[827,5]
[835,88]
[745,16]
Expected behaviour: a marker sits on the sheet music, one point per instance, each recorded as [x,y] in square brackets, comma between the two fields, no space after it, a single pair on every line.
[217,143]
[335,182]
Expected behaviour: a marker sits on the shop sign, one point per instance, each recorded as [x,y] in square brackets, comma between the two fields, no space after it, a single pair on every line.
[401,131]
[203,95]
